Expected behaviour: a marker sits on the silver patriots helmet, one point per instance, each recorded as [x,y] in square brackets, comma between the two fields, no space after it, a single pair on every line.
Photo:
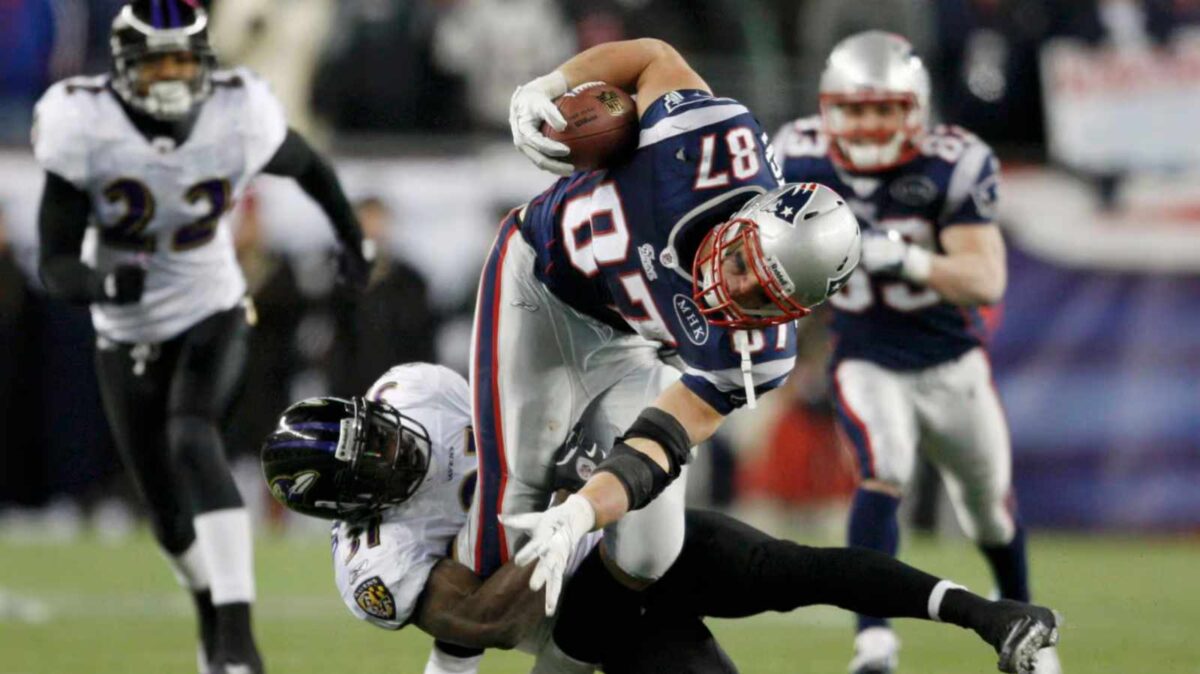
[340,459]
[147,28]
[800,241]
[873,67]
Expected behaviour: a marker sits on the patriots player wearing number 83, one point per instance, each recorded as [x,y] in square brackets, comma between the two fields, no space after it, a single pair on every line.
[151,157]
[909,366]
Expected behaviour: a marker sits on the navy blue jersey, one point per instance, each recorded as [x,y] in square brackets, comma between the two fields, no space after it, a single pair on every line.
[618,244]
[951,182]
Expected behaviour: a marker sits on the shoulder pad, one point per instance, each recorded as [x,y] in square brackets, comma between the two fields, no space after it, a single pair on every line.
[263,121]
[422,385]
[680,112]
[381,569]
[802,137]
[61,122]
[973,173]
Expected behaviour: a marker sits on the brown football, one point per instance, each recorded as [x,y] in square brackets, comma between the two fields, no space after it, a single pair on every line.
[602,125]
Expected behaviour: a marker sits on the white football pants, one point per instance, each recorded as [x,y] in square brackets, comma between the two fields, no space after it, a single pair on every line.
[537,365]
[951,412]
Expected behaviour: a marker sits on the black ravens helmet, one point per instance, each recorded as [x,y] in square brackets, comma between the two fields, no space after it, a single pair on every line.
[150,29]
[341,459]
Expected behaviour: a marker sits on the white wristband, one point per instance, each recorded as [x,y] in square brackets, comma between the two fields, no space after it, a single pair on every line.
[443,663]
[553,84]
[917,265]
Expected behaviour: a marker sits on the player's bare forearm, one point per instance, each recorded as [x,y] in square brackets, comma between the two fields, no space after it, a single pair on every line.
[605,492]
[647,67]
[458,607]
[972,271]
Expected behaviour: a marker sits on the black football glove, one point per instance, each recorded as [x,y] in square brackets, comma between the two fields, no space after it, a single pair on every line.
[354,266]
[585,447]
[125,284]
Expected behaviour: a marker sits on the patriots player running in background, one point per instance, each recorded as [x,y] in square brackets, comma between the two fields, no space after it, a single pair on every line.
[693,243]
[909,365]
[151,157]
[396,470]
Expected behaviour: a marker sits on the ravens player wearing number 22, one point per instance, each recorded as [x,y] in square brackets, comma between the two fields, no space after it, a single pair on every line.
[152,156]
[910,366]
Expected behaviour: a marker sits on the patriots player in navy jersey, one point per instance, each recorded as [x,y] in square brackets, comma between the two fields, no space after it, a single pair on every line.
[692,243]
[909,366]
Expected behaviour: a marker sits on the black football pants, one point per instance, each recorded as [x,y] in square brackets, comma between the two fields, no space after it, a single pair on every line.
[726,569]
[165,416]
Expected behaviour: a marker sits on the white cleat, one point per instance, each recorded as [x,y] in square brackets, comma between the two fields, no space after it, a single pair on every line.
[1047,662]
[876,651]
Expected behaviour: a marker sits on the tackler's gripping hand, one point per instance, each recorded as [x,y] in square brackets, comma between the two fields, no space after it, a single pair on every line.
[532,104]
[554,535]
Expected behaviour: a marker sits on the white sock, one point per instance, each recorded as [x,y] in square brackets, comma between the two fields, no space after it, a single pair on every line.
[938,594]
[224,539]
[189,567]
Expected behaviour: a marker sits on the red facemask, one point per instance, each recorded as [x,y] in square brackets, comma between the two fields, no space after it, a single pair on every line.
[714,297]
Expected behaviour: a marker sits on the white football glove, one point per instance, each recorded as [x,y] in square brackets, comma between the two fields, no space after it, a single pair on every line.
[532,104]
[887,254]
[554,535]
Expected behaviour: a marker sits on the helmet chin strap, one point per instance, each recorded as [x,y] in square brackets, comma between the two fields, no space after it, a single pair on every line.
[872,155]
[741,341]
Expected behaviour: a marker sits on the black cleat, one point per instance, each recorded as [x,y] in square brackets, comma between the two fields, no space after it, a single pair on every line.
[1024,629]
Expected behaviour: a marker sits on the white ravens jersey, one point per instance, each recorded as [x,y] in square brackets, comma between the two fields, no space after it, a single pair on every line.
[157,205]
[381,564]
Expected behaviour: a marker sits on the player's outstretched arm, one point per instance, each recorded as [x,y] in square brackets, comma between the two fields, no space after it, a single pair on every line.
[296,159]
[637,470]
[62,222]
[457,607]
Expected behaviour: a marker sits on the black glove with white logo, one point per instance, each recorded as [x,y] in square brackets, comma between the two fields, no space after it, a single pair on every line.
[124,285]
[354,265]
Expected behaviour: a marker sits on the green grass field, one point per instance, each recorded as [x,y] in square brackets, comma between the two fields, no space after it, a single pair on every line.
[1131,605]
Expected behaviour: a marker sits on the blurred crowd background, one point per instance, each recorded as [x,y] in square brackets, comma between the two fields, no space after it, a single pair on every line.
[1091,105]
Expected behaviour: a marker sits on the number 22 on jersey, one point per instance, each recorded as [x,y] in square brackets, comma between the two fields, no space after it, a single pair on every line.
[139,204]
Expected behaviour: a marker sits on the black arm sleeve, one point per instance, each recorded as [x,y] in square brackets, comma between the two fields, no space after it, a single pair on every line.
[295,158]
[62,221]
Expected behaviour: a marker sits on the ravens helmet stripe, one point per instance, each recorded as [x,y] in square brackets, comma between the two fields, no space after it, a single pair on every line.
[327,445]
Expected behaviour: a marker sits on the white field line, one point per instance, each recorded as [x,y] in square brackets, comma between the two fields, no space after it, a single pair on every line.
[49,607]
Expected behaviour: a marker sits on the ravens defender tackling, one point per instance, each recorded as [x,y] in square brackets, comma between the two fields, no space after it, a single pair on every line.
[910,368]
[396,469]
[150,157]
